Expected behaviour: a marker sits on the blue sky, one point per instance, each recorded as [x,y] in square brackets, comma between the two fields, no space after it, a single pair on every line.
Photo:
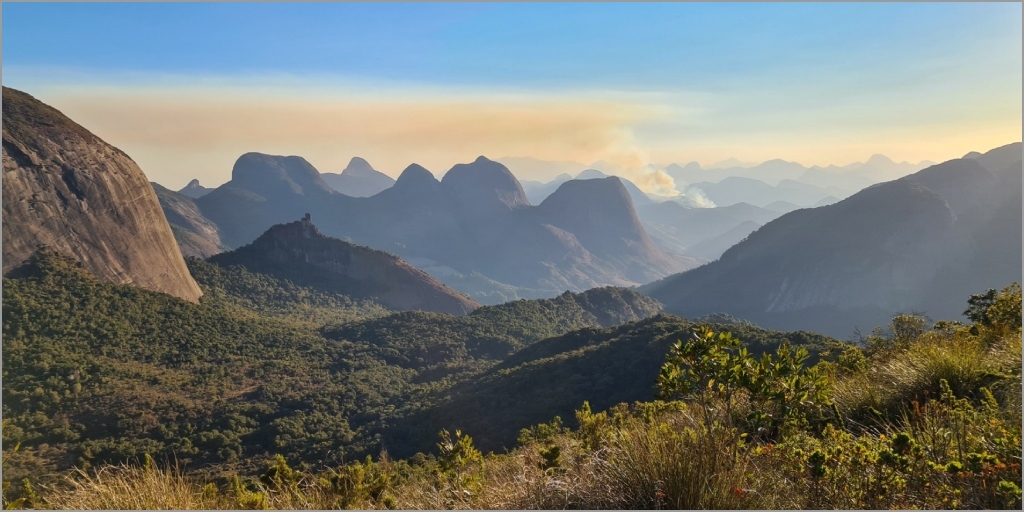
[683,81]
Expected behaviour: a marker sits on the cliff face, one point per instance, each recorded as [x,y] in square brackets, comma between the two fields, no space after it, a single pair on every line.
[66,189]
[299,252]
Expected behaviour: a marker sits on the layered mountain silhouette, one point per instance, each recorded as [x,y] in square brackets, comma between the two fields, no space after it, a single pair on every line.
[915,244]
[537,191]
[477,218]
[196,235]
[297,251]
[701,232]
[855,176]
[194,190]
[358,179]
[66,190]
[737,189]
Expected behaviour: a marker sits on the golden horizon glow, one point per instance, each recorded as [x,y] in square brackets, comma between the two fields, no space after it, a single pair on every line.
[180,132]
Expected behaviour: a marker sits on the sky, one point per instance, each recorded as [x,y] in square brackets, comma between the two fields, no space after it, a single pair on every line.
[186,88]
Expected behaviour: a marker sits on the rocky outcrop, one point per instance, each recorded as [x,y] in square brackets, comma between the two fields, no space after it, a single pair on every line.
[67,190]
[299,252]
[194,190]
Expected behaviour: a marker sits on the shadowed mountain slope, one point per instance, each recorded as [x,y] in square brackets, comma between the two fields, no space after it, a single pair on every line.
[196,235]
[911,244]
[299,252]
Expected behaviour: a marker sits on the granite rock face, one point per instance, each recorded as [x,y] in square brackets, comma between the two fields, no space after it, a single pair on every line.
[67,190]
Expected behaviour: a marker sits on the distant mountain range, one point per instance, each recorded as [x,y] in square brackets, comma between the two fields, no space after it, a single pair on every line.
[68,191]
[476,219]
[735,189]
[912,244]
[857,175]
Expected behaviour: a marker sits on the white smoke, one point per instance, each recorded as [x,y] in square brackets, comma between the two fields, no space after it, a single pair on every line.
[698,197]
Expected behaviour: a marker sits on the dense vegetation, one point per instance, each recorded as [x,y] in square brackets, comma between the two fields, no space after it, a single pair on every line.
[265,376]
[919,417]
[96,373]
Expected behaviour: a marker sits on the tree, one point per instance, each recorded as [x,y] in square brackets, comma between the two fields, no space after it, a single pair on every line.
[712,370]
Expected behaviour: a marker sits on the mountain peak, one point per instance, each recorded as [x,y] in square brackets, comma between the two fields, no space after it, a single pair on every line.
[416,177]
[878,159]
[68,190]
[591,174]
[484,185]
[359,179]
[358,166]
[298,251]
[194,190]
[269,175]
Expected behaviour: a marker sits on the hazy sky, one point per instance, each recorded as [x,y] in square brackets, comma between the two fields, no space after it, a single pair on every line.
[186,88]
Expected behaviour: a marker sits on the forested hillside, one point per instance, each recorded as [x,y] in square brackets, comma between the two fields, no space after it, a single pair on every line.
[99,373]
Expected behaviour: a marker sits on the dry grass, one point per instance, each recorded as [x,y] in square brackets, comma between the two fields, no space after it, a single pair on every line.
[963,361]
[127,487]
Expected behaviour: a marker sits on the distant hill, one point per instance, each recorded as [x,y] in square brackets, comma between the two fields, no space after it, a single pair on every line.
[685,228]
[538,192]
[247,372]
[855,176]
[712,248]
[299,252]
[554,376]
[358,179]
[600,214]
[194,190]
[420,340]
[912,244]
[196,235]
[534,169]
[477,218]
[735,189]
[67,190]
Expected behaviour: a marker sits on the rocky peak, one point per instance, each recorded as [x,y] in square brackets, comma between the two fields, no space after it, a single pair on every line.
[67,190]
[359,167]
[416,177]
[485,186]
[271,175]
[595,210]
[194,190]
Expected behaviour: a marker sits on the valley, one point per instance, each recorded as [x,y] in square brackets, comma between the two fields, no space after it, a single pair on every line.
[478,318]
